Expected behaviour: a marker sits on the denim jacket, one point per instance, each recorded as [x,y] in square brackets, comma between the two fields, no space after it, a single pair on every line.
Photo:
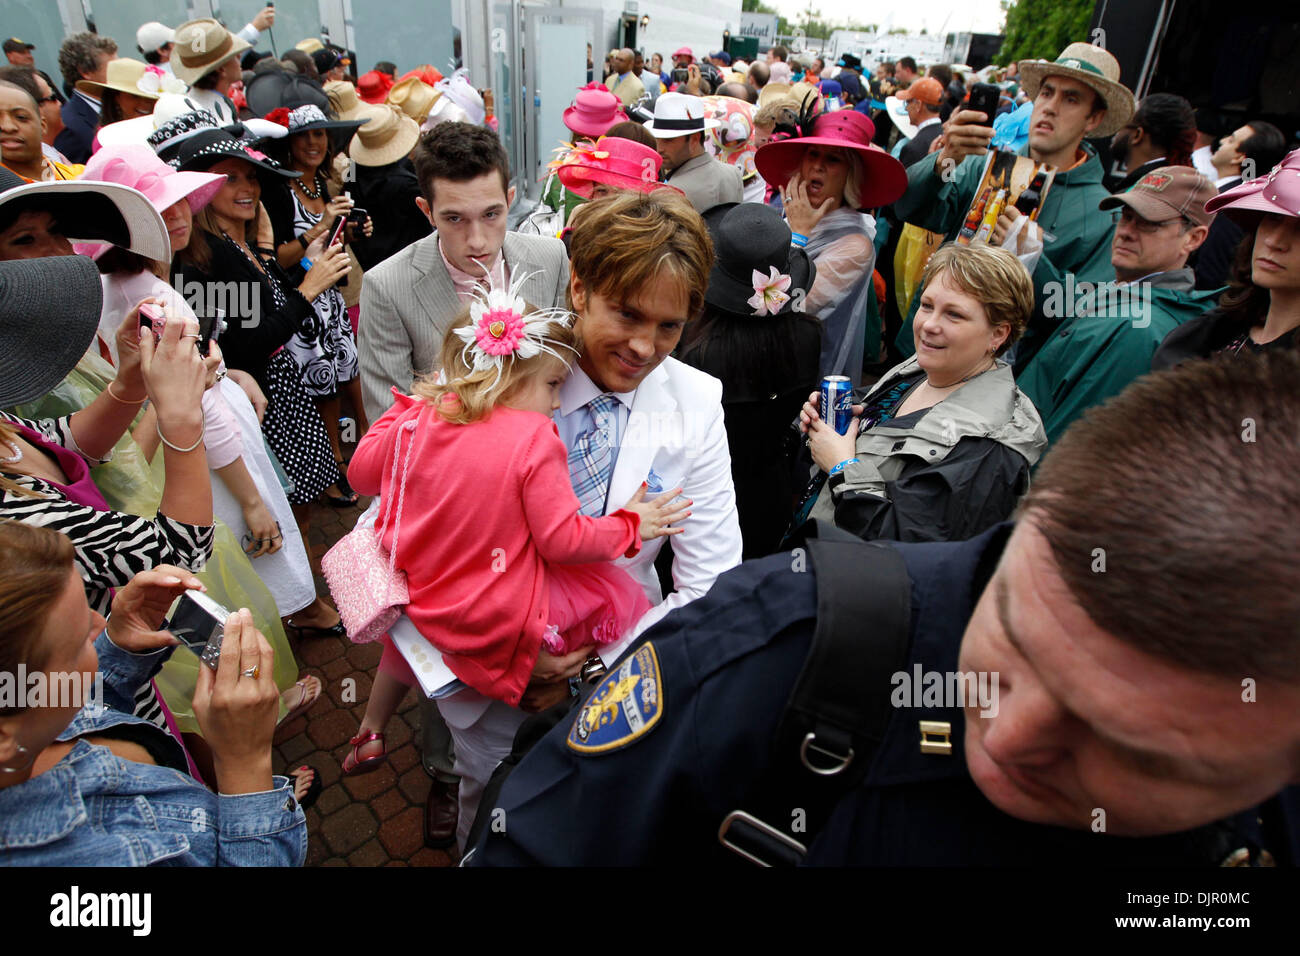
[93,808]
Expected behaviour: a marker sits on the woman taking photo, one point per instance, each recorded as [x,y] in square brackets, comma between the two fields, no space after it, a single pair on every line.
[224,249]
[946,440]
[95,786]
[246,493]
[302,211]
[829,177]
[1260,311]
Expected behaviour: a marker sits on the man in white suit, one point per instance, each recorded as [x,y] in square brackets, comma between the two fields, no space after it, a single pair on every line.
[639,267]
[410,300]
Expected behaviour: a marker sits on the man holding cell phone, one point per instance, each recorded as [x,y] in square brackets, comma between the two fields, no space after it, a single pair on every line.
[1077,96]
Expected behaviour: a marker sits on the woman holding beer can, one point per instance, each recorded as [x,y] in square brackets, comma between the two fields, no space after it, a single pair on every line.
[941,447]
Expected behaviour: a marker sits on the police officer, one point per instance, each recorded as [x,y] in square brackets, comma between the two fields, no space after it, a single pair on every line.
[1113,665]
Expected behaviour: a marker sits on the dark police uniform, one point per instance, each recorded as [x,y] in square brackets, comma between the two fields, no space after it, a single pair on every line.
[675,737]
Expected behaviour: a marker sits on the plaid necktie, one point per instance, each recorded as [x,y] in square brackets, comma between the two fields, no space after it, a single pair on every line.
[591,460]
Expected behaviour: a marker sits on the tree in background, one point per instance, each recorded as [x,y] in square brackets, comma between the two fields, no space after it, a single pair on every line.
[1041,29]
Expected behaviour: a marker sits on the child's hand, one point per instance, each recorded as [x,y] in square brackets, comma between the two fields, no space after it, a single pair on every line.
[659,514]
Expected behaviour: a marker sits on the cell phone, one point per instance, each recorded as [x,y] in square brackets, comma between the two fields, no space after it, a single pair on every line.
[210,327]
[199,622]
[681,75]
[357,216]
[984,97]
[337,235]
[152,318]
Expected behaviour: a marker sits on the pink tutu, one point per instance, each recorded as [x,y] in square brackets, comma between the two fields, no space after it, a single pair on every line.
[590,604]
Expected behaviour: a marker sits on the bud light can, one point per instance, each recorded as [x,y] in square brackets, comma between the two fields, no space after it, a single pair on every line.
[837,402]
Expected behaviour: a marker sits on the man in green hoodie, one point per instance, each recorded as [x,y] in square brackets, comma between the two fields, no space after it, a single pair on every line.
[1110,330]
[1078,95]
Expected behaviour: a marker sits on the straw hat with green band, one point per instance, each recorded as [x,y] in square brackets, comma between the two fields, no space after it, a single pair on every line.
[1090,65]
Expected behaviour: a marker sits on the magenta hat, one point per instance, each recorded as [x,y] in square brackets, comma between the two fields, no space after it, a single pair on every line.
[139,167]
[1278,192]
[883,178]
[593,112]
[613,161]
[684,51]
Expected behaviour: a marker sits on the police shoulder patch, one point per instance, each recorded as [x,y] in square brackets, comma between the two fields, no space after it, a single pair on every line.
[625,706]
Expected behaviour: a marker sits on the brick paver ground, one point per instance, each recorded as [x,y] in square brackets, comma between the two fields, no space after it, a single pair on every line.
[375,819]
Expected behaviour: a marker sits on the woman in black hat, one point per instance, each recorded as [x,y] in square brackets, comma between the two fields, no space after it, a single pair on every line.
[224,253]
[45,465]
[302,210]
[757,339]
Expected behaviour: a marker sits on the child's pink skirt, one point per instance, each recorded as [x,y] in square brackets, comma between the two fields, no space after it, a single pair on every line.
[589,604]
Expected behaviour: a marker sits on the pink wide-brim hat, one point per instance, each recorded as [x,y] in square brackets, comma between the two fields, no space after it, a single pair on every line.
[1277,192]
[593,112]
[883,178]
[140,168]
[614,161]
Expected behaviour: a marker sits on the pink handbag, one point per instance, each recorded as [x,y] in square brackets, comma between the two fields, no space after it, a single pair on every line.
[363,578]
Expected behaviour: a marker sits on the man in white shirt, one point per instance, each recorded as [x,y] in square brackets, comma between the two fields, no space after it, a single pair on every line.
[639,265]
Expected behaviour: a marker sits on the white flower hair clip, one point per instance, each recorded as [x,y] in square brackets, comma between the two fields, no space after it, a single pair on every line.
[499,329]
[769,292]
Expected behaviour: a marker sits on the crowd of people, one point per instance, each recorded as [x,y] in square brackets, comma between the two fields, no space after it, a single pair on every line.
[605,504]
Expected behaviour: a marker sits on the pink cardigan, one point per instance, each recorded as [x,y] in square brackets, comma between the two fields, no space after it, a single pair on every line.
[488,505]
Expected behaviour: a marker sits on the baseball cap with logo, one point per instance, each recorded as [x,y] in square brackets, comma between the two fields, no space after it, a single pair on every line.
[13,45]
[1168,192]
[926,90]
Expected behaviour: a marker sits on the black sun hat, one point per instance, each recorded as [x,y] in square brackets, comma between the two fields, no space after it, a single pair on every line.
[208,146]
[35,296]
[756,271]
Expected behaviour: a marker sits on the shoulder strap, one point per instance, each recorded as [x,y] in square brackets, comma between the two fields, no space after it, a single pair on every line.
[837,713]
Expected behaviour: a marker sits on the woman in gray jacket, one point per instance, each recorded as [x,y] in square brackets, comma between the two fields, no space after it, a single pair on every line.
[941,447]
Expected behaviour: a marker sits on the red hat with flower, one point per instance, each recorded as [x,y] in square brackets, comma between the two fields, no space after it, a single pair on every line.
[614,161]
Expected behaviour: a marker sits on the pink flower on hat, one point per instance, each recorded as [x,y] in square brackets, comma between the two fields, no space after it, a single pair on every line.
[499,331]
[769,292]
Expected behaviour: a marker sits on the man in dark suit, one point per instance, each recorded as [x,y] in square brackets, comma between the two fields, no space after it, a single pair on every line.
[83,56]
[923,98]
[1250,151]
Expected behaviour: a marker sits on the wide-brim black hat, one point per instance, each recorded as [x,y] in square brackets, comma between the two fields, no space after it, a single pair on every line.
[751,240]
[210,146]
[36,296]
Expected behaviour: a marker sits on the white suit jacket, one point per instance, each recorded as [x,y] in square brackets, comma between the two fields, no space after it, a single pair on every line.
[675,428]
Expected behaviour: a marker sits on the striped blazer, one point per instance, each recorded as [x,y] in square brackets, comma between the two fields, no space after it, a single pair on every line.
[408,304]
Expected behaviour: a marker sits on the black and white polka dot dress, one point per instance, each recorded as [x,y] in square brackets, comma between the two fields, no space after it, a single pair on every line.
[295,432]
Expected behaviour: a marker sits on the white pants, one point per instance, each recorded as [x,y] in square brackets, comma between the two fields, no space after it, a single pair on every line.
[482,733]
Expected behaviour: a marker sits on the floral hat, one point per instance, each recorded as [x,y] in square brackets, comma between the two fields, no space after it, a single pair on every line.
[499,329]
[611,160]
[300,119]
[732,140]
[756,271]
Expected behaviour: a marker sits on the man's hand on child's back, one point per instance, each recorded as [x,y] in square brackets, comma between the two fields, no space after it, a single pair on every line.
[658,515]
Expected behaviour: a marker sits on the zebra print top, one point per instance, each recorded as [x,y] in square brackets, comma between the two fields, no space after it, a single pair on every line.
[111,547]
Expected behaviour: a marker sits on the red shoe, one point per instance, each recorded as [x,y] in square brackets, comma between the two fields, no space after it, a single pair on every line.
[354,763]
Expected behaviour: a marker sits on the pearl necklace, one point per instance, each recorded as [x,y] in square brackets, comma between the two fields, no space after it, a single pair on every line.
[17,454]
[302,184]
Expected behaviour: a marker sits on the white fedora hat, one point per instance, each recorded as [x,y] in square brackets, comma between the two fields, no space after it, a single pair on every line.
[678,114]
